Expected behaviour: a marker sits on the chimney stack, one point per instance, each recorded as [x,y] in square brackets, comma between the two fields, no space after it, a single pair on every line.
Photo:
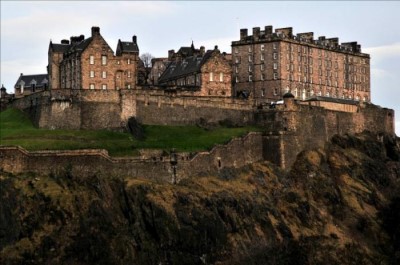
[243,34]
[170,54]
[134,39]
[256,33]
[268,30]
[95,31]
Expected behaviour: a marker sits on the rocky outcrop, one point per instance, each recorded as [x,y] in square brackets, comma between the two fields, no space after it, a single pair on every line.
[337,205]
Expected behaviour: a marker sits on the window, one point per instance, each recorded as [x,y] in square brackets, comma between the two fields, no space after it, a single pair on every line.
[262,67]
[237,79]
[237,59]
[262,92]
[274,46]
[300,68]
[250,78]
[129,61]
[104,86]
[249,48]
[275,56]
[211,76]
[262,47]
[129,86]
[91,73]
[91,59]
[236,69]
[262,77]
[221,77]
[118,62]
[262,57]
[104,74]
[236,50]
[250,58]
[129,74]
[249,68]
[103,60]
[275,66]
[275,76]
[311,79]
[91,86]
[311,70]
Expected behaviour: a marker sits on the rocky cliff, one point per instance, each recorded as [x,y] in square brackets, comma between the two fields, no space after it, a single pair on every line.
[337,205]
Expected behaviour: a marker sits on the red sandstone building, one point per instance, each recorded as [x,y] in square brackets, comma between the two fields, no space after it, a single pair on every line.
[204,74]
[91,64]
[267,64]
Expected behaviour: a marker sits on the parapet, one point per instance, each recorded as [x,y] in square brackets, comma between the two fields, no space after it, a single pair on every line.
[268,34]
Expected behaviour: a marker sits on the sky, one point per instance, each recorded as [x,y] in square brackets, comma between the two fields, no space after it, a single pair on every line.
[28,26]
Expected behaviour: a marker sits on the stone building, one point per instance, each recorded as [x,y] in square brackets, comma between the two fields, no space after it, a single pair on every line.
[267,64]
[28,84]
[158,66]
[91,64]
[205,75]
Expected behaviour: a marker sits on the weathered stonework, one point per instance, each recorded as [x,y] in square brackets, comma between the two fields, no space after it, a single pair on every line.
[267,64]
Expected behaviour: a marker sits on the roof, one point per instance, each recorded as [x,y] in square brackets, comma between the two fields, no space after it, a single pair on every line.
[60,47]
[187,66]
[127,46]
[334,100]
[39,79]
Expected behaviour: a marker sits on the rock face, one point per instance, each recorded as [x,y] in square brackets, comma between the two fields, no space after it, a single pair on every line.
[337,205]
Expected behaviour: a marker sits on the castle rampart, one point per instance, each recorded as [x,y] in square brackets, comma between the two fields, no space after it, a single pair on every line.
[238,152]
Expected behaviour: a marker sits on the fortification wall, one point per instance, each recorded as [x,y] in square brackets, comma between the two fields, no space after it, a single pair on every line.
[310,127]
[79,109]
[159,107]
[236,153]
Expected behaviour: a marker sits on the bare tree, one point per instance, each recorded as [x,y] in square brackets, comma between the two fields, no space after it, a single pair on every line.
[146,60]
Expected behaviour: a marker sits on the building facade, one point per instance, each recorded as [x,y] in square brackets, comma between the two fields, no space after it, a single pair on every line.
[28,84]
[268,64]
[207,74]
[91,64]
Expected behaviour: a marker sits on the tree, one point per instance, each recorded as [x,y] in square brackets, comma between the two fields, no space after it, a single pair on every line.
[146,60]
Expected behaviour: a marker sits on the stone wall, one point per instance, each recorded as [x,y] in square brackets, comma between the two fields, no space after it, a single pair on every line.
[238,152]
[79,109]
[159,107]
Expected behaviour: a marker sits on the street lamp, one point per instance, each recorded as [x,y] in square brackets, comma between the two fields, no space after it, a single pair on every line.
[174,161]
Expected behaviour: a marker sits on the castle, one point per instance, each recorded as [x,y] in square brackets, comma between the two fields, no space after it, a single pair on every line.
[300,90]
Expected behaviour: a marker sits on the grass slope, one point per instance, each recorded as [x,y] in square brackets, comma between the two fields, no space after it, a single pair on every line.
[17,129]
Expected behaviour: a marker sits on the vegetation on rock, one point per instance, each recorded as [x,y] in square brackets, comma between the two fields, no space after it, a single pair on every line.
[337,205]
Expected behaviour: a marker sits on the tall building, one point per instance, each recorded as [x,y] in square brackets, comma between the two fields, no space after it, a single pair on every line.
[91,64]
[267,64]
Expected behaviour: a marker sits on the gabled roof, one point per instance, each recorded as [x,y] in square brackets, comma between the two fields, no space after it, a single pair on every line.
[27,80]
[81,46]
[187,66]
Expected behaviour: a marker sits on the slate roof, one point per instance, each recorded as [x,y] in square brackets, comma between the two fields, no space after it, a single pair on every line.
[185,67]
[40,80]
[60,47]
[334,100]
[129,46]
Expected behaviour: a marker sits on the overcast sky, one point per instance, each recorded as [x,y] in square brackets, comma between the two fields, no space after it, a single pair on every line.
[27,28]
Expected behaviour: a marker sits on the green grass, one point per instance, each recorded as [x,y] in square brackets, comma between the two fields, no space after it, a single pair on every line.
[17,129]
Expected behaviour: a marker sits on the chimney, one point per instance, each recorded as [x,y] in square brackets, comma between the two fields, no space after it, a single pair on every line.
[64,41]
[170,54]
[134,39]
[256,33]
[95,31]
[243,34]
[202,50]
[268,30]
[81,38]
